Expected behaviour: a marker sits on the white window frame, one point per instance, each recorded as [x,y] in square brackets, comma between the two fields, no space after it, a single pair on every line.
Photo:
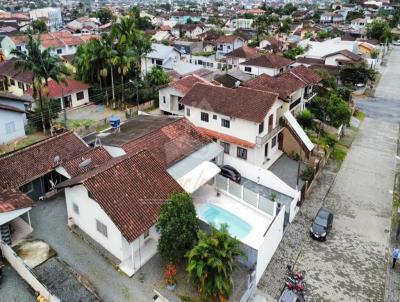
[101,228]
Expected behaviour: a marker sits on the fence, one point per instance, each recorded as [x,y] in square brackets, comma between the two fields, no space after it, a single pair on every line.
[244,194]
[25,272]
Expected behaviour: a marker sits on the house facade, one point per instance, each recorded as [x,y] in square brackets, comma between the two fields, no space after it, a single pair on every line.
[269,64]
[226,44]
[161,56]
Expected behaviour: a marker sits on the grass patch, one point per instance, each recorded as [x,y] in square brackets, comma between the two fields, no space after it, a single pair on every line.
[28,141]
[359,115]
[75,124]
[339,153]
[126,294]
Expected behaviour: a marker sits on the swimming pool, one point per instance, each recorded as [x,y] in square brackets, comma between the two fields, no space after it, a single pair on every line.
[216,215]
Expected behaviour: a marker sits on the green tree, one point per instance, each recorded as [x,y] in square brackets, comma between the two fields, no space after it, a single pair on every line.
[104,15]
[379,29]
[333,109]
[261,24]
[44,67]
[305,119]
[178,227]
[328,81]
[39,26]
[359,73]
[212,262]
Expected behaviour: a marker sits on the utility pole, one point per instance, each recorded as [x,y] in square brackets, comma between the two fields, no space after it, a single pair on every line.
[65,110]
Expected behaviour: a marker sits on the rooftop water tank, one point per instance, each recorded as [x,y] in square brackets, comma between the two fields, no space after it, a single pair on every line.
[115,121]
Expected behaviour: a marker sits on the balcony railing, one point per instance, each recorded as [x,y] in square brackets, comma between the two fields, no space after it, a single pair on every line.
[309,96]
[261,140]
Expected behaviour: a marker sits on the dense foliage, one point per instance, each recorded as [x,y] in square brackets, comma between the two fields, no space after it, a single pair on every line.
[379,29]
[360,73]
[178,227]
[212,262]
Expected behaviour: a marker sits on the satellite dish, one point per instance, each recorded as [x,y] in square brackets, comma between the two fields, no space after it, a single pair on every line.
[85,163]
[56,159]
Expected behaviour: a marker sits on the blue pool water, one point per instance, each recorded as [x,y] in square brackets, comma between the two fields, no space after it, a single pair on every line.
[215,215]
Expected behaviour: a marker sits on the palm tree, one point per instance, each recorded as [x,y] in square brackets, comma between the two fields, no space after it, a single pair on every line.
[211,263]
[43,65]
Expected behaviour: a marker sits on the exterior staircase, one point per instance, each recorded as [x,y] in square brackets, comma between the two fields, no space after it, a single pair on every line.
[5,233]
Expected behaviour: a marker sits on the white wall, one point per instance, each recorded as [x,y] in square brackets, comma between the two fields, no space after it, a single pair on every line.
[8,118]
[270,244]
[89,211]
[171,100]
[332,60]
[255,70]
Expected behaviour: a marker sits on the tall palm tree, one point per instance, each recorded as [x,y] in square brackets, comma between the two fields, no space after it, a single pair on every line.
[211,263]
[43,65]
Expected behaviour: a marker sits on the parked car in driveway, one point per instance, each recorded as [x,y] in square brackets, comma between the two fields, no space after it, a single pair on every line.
[322,224]
[231,173]
[396,43]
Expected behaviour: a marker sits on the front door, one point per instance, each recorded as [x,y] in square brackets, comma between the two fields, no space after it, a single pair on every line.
[67,101]
[266,151]
[280,141]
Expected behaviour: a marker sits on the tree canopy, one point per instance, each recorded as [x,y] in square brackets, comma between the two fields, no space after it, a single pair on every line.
[178,227]
[212,262]
[379,29]
[39,26]
[104,15]
[358,73]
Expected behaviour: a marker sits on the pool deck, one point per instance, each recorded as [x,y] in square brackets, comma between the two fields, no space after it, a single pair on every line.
[258,221]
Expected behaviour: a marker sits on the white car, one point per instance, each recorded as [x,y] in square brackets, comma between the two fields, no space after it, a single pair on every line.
[396,43]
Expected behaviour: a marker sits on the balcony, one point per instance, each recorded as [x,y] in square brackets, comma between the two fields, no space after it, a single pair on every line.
[261,140]
[309,96]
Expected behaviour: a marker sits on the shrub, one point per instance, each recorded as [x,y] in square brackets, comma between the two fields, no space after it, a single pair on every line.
[305,119]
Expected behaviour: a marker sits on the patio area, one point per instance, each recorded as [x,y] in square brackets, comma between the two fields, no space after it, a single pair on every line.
[286,169]
[258,221]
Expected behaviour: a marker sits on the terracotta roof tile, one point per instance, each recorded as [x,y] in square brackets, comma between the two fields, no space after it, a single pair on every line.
[58,90]
[95,157]
[186,83]
[24,165]
[170,143]
[7,69]
[244,52]
[347,53]
[309,76]
[227,39]
[13,199]
[226,138]
[244,103]
[131,190]
[268,61]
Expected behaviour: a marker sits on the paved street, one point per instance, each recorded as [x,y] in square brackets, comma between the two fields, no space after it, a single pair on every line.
[351,265]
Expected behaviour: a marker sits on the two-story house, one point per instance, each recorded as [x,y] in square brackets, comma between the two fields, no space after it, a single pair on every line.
[13,80]
[171,94]
[162,56]
[226,44]
[270,64]
[240,55]
[241,120]
[190,31]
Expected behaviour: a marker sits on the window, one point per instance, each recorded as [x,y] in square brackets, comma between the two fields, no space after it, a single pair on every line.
[226,147]
[225,123]
[146,234]
[163,99]
[59,51]
[80,96]
[273,141]
[28,188]
[12,82]
[101,228]
[199,62]
[19,47]
[152,61]
[75,208]
[228,46]
[20,85]
[181,106]
[247,69]
[261,127]
[10,127]
[187,111]
[241,153]
[214,116]
[158,62]
[204,117]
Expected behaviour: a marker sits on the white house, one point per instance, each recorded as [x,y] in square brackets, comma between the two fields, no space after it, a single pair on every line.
[237,23]
[240,55]
[162,56]
[120,213]
[170,95]
[191,31]
[226,44]
[341,57]
[51,15]
[317,50]
[270,64]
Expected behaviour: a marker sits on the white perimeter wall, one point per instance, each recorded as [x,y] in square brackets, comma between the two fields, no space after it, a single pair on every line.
[270,244]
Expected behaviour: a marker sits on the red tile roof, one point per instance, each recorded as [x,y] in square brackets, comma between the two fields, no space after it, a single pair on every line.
[13,199]
[244,103]
[347,53]
[22,166]
[268,61]
[307,75]
[186,83]
[227,138]
[283,85]
[170,143]
[243,52]
[94,157]
[7,69]
[130,189]
[56,90]
[228,39]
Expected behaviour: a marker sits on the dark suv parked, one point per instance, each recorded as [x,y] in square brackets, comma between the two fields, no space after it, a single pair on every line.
[231,173]
[321,224]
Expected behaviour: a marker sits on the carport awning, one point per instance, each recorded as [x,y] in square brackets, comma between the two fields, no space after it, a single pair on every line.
[197,177]
[9,216]
[299,131]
